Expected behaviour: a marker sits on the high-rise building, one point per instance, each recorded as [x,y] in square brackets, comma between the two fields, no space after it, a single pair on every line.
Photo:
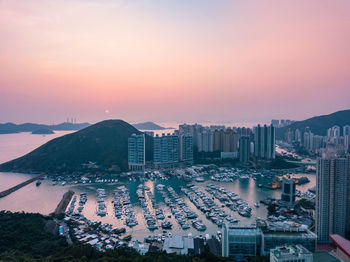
[264,142]
[288,191]
[244,149]
[136,152]
[206,141]
[165,150]
[186,148]
[217,140]
[332,195]
[229,141]
[346,130]
[275,122]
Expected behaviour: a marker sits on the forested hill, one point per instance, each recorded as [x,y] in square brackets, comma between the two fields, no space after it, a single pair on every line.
[105,143]
[318,124]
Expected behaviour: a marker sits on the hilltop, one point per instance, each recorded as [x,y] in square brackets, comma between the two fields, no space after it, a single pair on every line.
[10,128]
[104,143]
[319,124]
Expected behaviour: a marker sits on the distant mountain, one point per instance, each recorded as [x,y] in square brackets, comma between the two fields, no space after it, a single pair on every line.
[149,126]
[43,131]
[318,124]
[105,143]
[10,128]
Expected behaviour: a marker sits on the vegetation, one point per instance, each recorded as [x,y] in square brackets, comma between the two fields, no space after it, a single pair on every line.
[23,238]
[306,203]
[319,124]
[105,143]
[24,235]
[280,163]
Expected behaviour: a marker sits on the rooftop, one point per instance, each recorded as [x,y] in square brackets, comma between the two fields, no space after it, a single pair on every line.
[341,243]
[290,251]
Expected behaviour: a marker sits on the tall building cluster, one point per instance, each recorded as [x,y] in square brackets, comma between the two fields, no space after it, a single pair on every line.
[168,151]
[264,142]
[336,137]
[281,123]
[332,197]
[172,149]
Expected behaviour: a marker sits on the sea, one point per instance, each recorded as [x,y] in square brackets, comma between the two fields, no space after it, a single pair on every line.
[44,198]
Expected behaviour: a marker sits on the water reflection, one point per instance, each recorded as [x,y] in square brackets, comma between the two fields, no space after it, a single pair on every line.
[43,199]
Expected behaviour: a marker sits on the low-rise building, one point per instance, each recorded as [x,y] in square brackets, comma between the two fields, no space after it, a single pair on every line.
[292,253]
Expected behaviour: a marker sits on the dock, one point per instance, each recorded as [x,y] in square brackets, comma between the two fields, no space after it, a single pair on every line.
[19,186]
[62,205]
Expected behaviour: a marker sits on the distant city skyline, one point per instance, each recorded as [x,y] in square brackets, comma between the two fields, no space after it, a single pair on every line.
[173,61]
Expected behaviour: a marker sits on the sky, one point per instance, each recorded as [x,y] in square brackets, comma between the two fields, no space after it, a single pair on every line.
[173,61]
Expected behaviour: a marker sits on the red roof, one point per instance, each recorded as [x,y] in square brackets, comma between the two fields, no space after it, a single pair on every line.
[342,243]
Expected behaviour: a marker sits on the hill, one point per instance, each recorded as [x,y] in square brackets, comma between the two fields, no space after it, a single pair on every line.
[10,128]
[105,143]
[318,124]
[148,126]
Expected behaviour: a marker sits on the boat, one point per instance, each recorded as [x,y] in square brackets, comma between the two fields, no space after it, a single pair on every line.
[127,237]
[199,179]
[166,225]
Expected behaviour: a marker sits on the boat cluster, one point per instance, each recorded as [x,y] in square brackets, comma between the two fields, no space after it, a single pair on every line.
[308,194]
[230,200]
[130,219]
[178,207]
[101,206]
[82,201]
[205,204]
[224,174]
[150,219]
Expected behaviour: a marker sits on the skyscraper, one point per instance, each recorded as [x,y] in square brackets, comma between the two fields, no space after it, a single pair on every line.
[186,148]
[264,142]
[244,149]
[136,152]
[332,196]
[166,150]
[288,191]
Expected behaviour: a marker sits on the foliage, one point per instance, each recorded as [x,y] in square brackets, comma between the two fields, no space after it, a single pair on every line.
[24,234]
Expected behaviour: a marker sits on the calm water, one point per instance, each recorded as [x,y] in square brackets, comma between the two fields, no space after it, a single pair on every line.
[43,199]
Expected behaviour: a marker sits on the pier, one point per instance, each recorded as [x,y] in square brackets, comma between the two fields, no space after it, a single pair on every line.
[62,205]
[19,186]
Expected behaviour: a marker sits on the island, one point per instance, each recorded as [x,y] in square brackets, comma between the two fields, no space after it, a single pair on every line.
[150,126]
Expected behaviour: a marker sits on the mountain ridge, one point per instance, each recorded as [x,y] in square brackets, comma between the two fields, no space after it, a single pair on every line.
[318,124]
[11,128]
[104,143]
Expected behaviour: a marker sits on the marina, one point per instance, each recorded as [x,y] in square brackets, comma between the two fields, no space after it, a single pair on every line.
[141,206]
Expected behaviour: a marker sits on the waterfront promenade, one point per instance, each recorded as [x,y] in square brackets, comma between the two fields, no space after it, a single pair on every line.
[19,186]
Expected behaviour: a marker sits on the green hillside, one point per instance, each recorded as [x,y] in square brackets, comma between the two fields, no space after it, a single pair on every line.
[319,124]
[105,143]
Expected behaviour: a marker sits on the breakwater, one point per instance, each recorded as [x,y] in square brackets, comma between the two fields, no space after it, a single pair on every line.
[19,186]
[62,205]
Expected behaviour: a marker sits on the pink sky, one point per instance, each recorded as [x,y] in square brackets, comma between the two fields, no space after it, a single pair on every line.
[175,60]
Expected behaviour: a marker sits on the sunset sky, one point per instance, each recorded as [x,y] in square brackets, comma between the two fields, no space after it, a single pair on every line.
[173,60]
